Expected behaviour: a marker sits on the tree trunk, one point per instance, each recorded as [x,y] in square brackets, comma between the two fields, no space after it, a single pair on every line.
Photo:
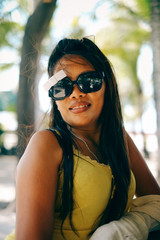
[35,30]
[155,24]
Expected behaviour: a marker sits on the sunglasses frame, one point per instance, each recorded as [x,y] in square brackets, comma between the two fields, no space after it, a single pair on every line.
[100,74]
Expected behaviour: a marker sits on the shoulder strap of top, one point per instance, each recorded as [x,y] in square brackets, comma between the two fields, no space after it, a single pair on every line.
[58,136]
[65,143]
[60,141]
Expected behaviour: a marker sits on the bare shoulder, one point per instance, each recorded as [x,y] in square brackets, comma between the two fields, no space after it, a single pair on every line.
[36,186]
[45,138]
[43,148]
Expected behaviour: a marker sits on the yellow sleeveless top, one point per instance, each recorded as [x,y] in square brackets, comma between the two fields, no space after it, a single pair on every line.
[92,190]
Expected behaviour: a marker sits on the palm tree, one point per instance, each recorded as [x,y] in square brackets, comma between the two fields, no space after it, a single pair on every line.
[123,39]
[35,31]
[137,13]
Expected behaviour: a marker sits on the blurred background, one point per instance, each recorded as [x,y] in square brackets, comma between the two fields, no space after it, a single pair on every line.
[128,32]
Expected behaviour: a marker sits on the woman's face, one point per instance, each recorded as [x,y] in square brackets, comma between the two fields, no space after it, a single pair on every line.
[79,110]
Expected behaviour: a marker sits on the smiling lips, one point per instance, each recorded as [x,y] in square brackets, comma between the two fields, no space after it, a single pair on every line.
[79,107]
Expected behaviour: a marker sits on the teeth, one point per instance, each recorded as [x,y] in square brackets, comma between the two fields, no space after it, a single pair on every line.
[80,106]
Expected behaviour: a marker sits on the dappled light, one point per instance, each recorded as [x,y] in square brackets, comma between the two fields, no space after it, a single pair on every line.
[125,31]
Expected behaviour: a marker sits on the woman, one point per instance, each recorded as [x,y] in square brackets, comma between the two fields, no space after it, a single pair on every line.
[80,173]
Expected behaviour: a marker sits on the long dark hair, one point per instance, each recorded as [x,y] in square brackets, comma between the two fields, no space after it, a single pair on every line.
[112,143]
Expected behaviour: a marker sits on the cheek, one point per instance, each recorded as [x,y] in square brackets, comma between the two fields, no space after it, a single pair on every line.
[101,93]
[100,99]
[103,87]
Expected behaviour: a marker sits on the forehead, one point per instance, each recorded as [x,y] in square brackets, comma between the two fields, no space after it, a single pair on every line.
[70,62]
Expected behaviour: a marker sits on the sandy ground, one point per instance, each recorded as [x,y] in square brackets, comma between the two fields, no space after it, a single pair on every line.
[7,194]
[7,191]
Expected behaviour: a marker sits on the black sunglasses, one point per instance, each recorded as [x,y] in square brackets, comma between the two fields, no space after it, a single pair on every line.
[87,82]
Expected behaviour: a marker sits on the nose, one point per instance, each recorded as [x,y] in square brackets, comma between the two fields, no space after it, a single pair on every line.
[76,93]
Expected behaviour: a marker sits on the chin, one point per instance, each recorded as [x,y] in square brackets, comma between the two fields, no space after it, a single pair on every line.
[82,124]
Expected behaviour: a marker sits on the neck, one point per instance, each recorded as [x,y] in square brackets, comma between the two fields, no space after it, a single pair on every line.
[90,134]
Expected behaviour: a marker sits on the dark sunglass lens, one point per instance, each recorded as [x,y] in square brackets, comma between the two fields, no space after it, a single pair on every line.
[90,83]
[62,89]
[58,92]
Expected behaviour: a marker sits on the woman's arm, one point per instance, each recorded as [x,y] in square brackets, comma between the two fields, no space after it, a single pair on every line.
[36,185]
[145,182]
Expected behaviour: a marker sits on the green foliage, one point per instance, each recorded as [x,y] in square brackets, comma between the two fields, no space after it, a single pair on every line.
[8,101]
[121,41]
[12,108]
[8,7]
[143,7]
[5,66]
[8,28]
[24,6]
[11,30]
[76,30]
